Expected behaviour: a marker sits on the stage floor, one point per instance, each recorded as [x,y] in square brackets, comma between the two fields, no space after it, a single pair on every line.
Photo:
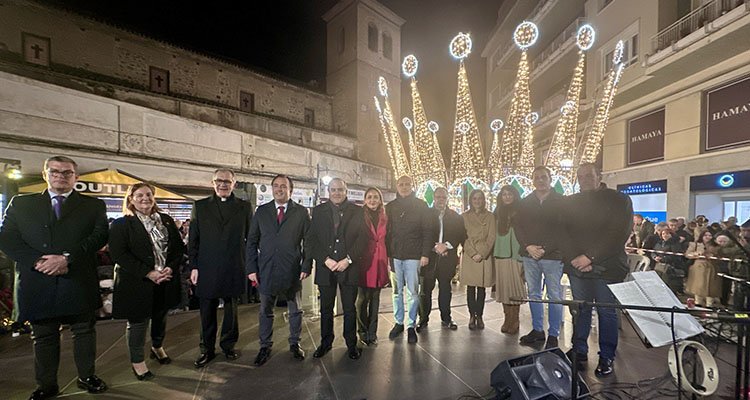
[444,364]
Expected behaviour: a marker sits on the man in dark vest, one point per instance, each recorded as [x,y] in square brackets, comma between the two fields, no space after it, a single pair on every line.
[451,232]
[334,241]
[53,236]
[274,263]
[218,232]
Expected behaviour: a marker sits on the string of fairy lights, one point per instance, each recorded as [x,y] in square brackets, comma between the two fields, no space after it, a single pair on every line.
[511,156]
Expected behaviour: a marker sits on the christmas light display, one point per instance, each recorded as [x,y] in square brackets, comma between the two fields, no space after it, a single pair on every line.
[399,161]
[563,145]
[467,159]
[427,159]
[438,162]
[496,125]
[592,140]
[460,189]
[516,149]
[386,135]
[414,162]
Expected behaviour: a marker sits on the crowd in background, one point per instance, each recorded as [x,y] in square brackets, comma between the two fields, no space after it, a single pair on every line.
[690,255]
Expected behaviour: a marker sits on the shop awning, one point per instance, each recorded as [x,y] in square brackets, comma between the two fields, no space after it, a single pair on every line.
[106,183]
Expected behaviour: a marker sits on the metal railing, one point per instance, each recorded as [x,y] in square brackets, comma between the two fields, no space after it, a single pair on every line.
[693,21]
[559,41]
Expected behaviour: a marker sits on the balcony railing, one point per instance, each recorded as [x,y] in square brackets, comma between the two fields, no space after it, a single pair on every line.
[695,20]
[557,43]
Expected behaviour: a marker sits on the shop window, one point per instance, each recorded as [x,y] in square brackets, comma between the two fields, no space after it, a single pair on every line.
[372,37]
[739,209]
[387,46]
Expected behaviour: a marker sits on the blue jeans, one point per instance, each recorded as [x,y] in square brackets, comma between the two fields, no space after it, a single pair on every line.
[595,290]
[552,273]
[405,273]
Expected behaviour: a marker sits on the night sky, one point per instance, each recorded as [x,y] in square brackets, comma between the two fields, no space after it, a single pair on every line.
[287,38]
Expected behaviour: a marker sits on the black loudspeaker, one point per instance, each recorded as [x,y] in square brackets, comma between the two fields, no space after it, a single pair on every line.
[545,375]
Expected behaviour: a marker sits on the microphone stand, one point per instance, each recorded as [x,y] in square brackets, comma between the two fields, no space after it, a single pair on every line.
[576,306]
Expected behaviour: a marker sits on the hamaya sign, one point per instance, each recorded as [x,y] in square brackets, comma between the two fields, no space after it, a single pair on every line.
[646,138]
[727,116]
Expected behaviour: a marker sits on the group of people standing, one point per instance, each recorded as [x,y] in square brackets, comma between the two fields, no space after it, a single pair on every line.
[521,247]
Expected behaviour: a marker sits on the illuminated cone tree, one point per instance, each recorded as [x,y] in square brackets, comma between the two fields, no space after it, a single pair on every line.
[467,159]
[399,161]
[592,140]
[563,147]
[516,151]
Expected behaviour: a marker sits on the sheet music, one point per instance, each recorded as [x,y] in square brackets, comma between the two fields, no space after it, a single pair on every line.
[647,289]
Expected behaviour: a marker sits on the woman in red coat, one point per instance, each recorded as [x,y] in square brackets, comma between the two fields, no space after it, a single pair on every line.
[374,273]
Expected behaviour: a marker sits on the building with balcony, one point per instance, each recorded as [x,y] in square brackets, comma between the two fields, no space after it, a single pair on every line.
[680,125]
[116,99]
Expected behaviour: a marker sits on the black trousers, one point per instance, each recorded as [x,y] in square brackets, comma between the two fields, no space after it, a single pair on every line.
[135,334]
[475,297]
[230,331]
[368,305]
[46,336]
[327,301]
[443,273]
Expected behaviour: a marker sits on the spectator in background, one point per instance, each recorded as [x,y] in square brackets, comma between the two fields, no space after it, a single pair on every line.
[683,237]
[670,266]
[654,237]
[702,281]
[641,229]
[696,248]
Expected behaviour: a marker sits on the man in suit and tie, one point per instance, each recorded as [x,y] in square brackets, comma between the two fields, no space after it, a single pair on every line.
[443,261]
[274,263]
[218,232]
[334,241]
[53,236]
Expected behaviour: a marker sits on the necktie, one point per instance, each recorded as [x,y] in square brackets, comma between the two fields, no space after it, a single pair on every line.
[280,215]
[57,206]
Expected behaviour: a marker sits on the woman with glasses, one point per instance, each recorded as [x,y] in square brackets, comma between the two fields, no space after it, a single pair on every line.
[147,249]
[477,269]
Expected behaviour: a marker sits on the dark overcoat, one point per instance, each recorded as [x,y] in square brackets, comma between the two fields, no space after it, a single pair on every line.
[274,251]
[322,241]
[216,246]
[454,232]
[131,249]
[31,230]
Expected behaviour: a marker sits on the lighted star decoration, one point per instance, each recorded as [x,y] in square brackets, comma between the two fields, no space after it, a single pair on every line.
[496,125]
[460,46]
[407,123]
[433,127]
[525,35]
[410,65]
[532,118]
[463,126]
[585,37]
[382,86]
[567,107]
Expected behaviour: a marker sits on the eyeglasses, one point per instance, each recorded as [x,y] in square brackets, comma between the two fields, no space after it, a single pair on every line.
[219,182]
[65,174]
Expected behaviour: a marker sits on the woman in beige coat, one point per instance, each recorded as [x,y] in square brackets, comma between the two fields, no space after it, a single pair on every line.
[477,269]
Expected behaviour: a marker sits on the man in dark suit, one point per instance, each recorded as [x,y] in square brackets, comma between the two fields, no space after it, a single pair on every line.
[218,232]
[274,263]
[451,232]
[53,236]
[334,241]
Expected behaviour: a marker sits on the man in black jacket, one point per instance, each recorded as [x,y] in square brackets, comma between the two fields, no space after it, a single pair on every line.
[538,230]
[53,236]
[274,263]
[599,221]
[451,233]
[410,238]
[218,229]
[334,242]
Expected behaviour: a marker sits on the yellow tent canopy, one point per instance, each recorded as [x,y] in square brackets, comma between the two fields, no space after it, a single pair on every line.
[105,183]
